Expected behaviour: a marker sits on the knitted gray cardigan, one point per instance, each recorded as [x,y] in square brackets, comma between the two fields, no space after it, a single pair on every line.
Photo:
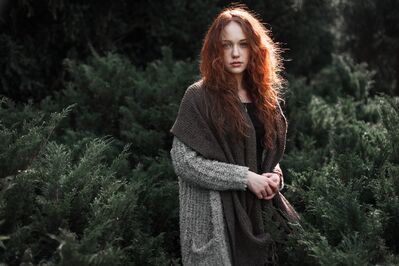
[203,235]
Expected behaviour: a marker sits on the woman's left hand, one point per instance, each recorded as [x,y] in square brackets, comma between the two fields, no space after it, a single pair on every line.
[276,179]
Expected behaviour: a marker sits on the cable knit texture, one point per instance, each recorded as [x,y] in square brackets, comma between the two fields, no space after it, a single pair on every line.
[203,235]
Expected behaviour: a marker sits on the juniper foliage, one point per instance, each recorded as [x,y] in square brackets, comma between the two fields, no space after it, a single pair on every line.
[342,169]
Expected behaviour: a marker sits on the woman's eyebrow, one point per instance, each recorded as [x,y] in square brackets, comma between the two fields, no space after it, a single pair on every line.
[242,40]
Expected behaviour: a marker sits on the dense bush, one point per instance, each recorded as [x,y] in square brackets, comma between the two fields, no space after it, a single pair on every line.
[343,169]
[92,200]
[64,206]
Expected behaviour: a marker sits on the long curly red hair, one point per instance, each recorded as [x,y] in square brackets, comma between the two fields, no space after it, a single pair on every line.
[261,78]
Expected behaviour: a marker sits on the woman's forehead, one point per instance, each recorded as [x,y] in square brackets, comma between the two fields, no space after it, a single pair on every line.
[233,32]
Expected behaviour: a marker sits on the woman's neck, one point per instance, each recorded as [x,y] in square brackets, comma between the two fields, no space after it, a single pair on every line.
[238,78]
[242,91]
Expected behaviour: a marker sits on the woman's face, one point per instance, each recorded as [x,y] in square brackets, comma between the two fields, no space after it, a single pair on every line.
[235,47]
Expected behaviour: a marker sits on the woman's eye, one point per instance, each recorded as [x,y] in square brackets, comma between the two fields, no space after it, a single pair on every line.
[244,44]
[226,45]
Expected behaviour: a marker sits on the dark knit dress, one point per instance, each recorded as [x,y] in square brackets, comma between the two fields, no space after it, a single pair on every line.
[260,132]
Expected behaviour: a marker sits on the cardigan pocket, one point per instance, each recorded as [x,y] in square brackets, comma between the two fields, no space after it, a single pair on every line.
[205,237]
[207,248]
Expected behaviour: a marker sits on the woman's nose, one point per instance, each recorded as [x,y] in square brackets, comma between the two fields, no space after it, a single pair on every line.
[235,52]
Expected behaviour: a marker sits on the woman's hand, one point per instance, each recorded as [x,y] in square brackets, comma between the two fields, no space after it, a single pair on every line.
[262,186]
[275,178]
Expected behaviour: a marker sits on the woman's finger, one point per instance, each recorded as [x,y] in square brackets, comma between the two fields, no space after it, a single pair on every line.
[264,193]
[272,186]
[268,189]
[270,196]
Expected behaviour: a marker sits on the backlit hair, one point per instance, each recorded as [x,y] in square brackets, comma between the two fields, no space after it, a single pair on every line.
[261,78]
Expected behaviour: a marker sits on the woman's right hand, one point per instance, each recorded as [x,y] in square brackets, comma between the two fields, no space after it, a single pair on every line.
[263,187]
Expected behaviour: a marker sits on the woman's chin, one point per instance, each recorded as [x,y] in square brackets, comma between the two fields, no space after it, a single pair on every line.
[236,70]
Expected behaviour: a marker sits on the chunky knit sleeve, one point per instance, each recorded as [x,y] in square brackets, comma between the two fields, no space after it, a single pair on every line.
[209,174]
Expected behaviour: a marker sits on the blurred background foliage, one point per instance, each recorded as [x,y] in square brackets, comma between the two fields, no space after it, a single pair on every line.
[89,91]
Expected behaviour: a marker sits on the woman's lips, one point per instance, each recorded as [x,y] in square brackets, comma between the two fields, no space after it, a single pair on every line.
[236,64]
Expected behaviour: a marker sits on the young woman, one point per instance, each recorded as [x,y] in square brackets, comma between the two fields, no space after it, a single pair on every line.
[229,136]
